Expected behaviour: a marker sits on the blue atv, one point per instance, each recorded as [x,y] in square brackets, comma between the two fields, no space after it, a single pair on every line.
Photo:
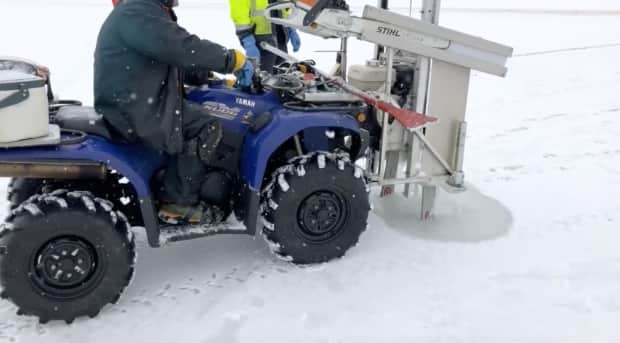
[285,169]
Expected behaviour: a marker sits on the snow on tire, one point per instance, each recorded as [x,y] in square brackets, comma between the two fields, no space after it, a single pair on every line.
[20,189]
[320,214]
[65,255]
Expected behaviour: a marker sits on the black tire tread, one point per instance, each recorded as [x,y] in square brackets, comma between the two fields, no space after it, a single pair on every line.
[20,189]
[290,171]
[81,200]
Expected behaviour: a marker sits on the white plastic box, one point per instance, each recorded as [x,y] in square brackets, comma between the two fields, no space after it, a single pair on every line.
[23,106]
[368,77]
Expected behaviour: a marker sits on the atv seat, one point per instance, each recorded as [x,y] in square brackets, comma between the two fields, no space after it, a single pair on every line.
[83,119]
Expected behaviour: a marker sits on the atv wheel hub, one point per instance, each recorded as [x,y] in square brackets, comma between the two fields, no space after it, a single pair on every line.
[64,266]
[321,215]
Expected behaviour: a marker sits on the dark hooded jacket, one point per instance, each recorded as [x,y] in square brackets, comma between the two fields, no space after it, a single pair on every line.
[143,58]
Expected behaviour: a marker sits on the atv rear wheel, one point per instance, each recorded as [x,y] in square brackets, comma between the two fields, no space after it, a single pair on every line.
[20,189]
[123,196]
[64,255]
[315,208]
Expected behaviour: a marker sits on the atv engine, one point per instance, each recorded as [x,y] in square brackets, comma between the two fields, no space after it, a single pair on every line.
[305,90]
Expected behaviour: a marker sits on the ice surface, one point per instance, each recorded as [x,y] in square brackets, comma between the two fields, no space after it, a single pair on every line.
[528,254]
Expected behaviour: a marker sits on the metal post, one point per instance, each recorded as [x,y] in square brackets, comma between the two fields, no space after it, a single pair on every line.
[460,146]
[343,57]
[392,158]
[382,4]
[429,194]
[430,13]
[457,178]
[421,95]
[387,95]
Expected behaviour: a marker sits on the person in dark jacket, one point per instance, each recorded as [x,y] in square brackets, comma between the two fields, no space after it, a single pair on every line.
[143,59]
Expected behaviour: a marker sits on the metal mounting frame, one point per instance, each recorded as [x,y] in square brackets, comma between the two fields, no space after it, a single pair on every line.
[443,59]
[415,147]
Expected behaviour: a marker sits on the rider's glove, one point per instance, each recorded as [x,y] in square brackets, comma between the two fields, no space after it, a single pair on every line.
[251,49]
[245,74]
[243,69]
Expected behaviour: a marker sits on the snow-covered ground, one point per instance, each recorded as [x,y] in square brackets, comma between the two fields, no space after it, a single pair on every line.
[529,254]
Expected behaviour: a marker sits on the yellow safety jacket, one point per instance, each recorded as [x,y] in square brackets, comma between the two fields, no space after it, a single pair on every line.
[248,14]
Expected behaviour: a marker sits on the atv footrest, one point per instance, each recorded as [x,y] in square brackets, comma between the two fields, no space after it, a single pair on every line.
[172,233]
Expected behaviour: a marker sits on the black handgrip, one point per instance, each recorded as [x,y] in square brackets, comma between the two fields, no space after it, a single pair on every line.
[50,93]
[321,5]
[314,12]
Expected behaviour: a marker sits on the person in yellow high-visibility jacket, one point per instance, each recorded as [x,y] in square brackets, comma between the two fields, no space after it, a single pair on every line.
[252,28]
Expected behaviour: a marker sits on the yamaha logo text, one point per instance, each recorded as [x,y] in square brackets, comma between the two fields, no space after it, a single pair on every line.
[245,102]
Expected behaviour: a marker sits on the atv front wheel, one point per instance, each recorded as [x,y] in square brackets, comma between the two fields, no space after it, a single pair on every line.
[315,208]
[64,255]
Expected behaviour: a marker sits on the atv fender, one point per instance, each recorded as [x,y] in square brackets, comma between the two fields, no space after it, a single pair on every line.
[260,146]
[135,162]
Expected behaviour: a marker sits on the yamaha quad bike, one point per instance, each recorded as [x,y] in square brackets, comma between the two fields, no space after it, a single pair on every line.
[285,168]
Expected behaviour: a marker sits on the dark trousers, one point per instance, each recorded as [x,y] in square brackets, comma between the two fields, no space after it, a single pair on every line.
[277,39]
[185,172]
[267,59]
